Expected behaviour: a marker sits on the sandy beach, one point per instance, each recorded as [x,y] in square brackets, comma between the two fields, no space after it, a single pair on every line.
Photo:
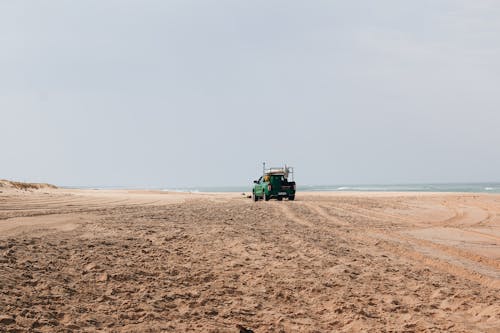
[151,261]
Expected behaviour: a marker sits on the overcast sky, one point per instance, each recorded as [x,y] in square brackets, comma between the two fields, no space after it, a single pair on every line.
[199,93]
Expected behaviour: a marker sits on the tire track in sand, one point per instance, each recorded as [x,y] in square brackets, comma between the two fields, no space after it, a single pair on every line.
[466,215]
[445,258]
[482,234]
[287,212]
[322,213]
[450,250]
[442,263]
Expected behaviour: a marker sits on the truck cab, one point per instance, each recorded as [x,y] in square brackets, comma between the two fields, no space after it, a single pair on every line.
[274,184]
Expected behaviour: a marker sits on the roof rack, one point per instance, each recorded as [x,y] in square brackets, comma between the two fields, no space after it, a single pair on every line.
[287,171]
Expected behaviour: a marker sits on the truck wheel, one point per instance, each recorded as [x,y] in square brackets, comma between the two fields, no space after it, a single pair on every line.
[265,197]
[280,198]
[254,197]
[291,198]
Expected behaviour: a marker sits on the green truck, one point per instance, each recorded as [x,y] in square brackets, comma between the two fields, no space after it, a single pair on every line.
[274,184]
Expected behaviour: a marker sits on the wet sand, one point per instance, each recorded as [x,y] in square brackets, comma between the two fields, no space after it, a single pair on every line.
[129,261]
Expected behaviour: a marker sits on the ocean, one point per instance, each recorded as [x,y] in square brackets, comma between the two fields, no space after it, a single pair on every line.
[451,187]
[448,187]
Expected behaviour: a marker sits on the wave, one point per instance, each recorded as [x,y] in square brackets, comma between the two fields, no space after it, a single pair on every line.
[451,187]
[181,190]
[457,187]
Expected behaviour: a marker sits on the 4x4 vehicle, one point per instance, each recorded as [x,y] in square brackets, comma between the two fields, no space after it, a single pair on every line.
[274,184]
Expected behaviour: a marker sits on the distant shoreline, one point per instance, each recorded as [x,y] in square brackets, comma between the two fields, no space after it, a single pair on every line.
[493,187]
[483,187]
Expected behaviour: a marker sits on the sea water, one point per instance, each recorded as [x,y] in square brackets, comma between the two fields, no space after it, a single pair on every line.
[451,187]
[448,187]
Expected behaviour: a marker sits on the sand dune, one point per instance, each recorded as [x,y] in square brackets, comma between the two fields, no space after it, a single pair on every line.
[130,261]
[10,185]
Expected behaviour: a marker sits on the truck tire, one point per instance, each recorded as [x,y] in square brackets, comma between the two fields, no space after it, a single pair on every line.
[254,197]
[265,196]
[280,198]
[291,198]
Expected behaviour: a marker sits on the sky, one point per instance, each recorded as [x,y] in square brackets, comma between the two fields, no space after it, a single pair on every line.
[200,93]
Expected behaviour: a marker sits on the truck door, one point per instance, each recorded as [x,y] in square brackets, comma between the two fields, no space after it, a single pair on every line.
[259,187]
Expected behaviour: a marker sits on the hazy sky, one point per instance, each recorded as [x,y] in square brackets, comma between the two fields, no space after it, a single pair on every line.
[199,93]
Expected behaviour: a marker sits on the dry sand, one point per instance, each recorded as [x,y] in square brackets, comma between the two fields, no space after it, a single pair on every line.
[136,261]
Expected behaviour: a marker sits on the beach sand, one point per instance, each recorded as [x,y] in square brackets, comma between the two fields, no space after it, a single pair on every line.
[138,261]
